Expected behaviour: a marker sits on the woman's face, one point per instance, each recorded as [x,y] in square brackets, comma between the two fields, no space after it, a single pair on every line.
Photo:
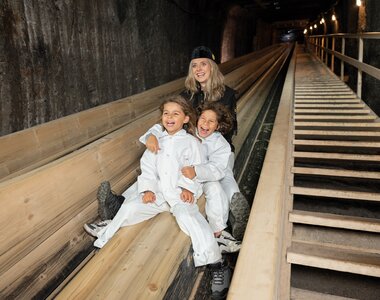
[207,123]
[173,117]
[201,69]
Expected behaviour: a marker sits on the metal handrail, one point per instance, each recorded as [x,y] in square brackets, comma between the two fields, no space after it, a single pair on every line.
[320,44]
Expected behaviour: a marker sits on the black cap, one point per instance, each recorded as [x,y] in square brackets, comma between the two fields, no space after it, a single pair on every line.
[202,52]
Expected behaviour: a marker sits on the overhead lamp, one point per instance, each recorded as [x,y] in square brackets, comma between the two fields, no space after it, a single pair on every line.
[311,28]
[333,17]
[305,31]
[315,25]
[358,2]
[323,20]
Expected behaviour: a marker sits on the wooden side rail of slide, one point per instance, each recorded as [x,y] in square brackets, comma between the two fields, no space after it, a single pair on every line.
[257,273]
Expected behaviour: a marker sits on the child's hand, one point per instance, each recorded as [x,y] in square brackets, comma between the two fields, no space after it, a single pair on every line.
[187,196]
[188,172]
[149,197]
[152,144]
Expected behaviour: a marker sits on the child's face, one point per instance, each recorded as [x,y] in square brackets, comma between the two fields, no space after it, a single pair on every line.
[173,117]
[207,123]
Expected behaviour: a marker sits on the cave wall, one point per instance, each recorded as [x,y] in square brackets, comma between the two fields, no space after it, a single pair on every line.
[64,56]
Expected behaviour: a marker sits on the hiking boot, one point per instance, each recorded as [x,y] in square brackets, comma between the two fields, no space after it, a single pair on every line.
[221,278]
[94,228]
[109,202]
[227,243]
[239,215]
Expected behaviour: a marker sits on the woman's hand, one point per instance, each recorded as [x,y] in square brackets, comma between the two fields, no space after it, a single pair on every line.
[189,172]
[149,197]
[187,196]
[152,144]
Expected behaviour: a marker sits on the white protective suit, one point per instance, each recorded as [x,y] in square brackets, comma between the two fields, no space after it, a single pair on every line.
[161,175]
[215,174]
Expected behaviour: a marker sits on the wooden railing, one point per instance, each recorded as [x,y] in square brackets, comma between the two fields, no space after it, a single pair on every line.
[320,46]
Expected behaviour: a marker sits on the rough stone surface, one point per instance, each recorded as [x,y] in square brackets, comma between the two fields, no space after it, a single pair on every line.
[61,57]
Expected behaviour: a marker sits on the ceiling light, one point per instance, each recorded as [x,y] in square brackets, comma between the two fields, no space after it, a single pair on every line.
[305,31]
[358,2]
[323,20]
[333,17]
[315,25]
[311,28]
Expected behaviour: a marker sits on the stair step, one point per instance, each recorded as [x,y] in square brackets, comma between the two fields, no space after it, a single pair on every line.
[336,173]
[300,294]
[351,96]
[334,258]
[347,106]
[334,193]
[322,93]
[338,144]
[337,156]
[334,220]
[341,101]
[322,88]
[324,134]
[333,118]
[338,125]
[332,111]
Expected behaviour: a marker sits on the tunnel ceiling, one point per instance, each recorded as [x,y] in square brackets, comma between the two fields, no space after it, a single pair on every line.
[286,10]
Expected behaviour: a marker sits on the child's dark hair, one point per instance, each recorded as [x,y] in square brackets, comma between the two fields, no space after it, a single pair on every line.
[187,109]
[223,115]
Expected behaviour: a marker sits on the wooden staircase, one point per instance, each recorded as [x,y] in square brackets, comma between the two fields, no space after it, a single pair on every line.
[336,186]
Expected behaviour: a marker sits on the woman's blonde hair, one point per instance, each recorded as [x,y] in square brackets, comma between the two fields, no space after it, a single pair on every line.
[187,110]
[214,86]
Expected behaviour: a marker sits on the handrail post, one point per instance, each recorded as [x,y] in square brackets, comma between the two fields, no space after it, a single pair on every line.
[327,54]
[332,54]
[343,51]
[360,58]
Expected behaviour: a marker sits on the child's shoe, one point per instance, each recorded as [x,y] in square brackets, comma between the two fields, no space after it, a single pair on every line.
[93,229]
[240,211]
[227,243]
[109,203]
[221,278]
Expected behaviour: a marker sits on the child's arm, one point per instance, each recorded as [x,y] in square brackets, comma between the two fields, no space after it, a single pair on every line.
[147,181]
[196,158]
[150,138]
[214,168]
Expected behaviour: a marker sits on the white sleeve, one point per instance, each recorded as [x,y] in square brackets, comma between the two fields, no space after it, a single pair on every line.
[196,158]
[148,180]
[214,169]
[156,130]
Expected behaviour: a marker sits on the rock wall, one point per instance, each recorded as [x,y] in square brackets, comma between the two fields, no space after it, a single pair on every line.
[64,56]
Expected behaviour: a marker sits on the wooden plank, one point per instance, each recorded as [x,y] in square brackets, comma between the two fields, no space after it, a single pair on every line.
[332,111]
[321,93]
[337,156]
[300,294]
[334,258]
[328,105]
[334,193]
[353,96]
[49,196]
[334,118]
[335,221]
[340,144]
[336,173]
[336,125]
[327,101]
[332,134]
